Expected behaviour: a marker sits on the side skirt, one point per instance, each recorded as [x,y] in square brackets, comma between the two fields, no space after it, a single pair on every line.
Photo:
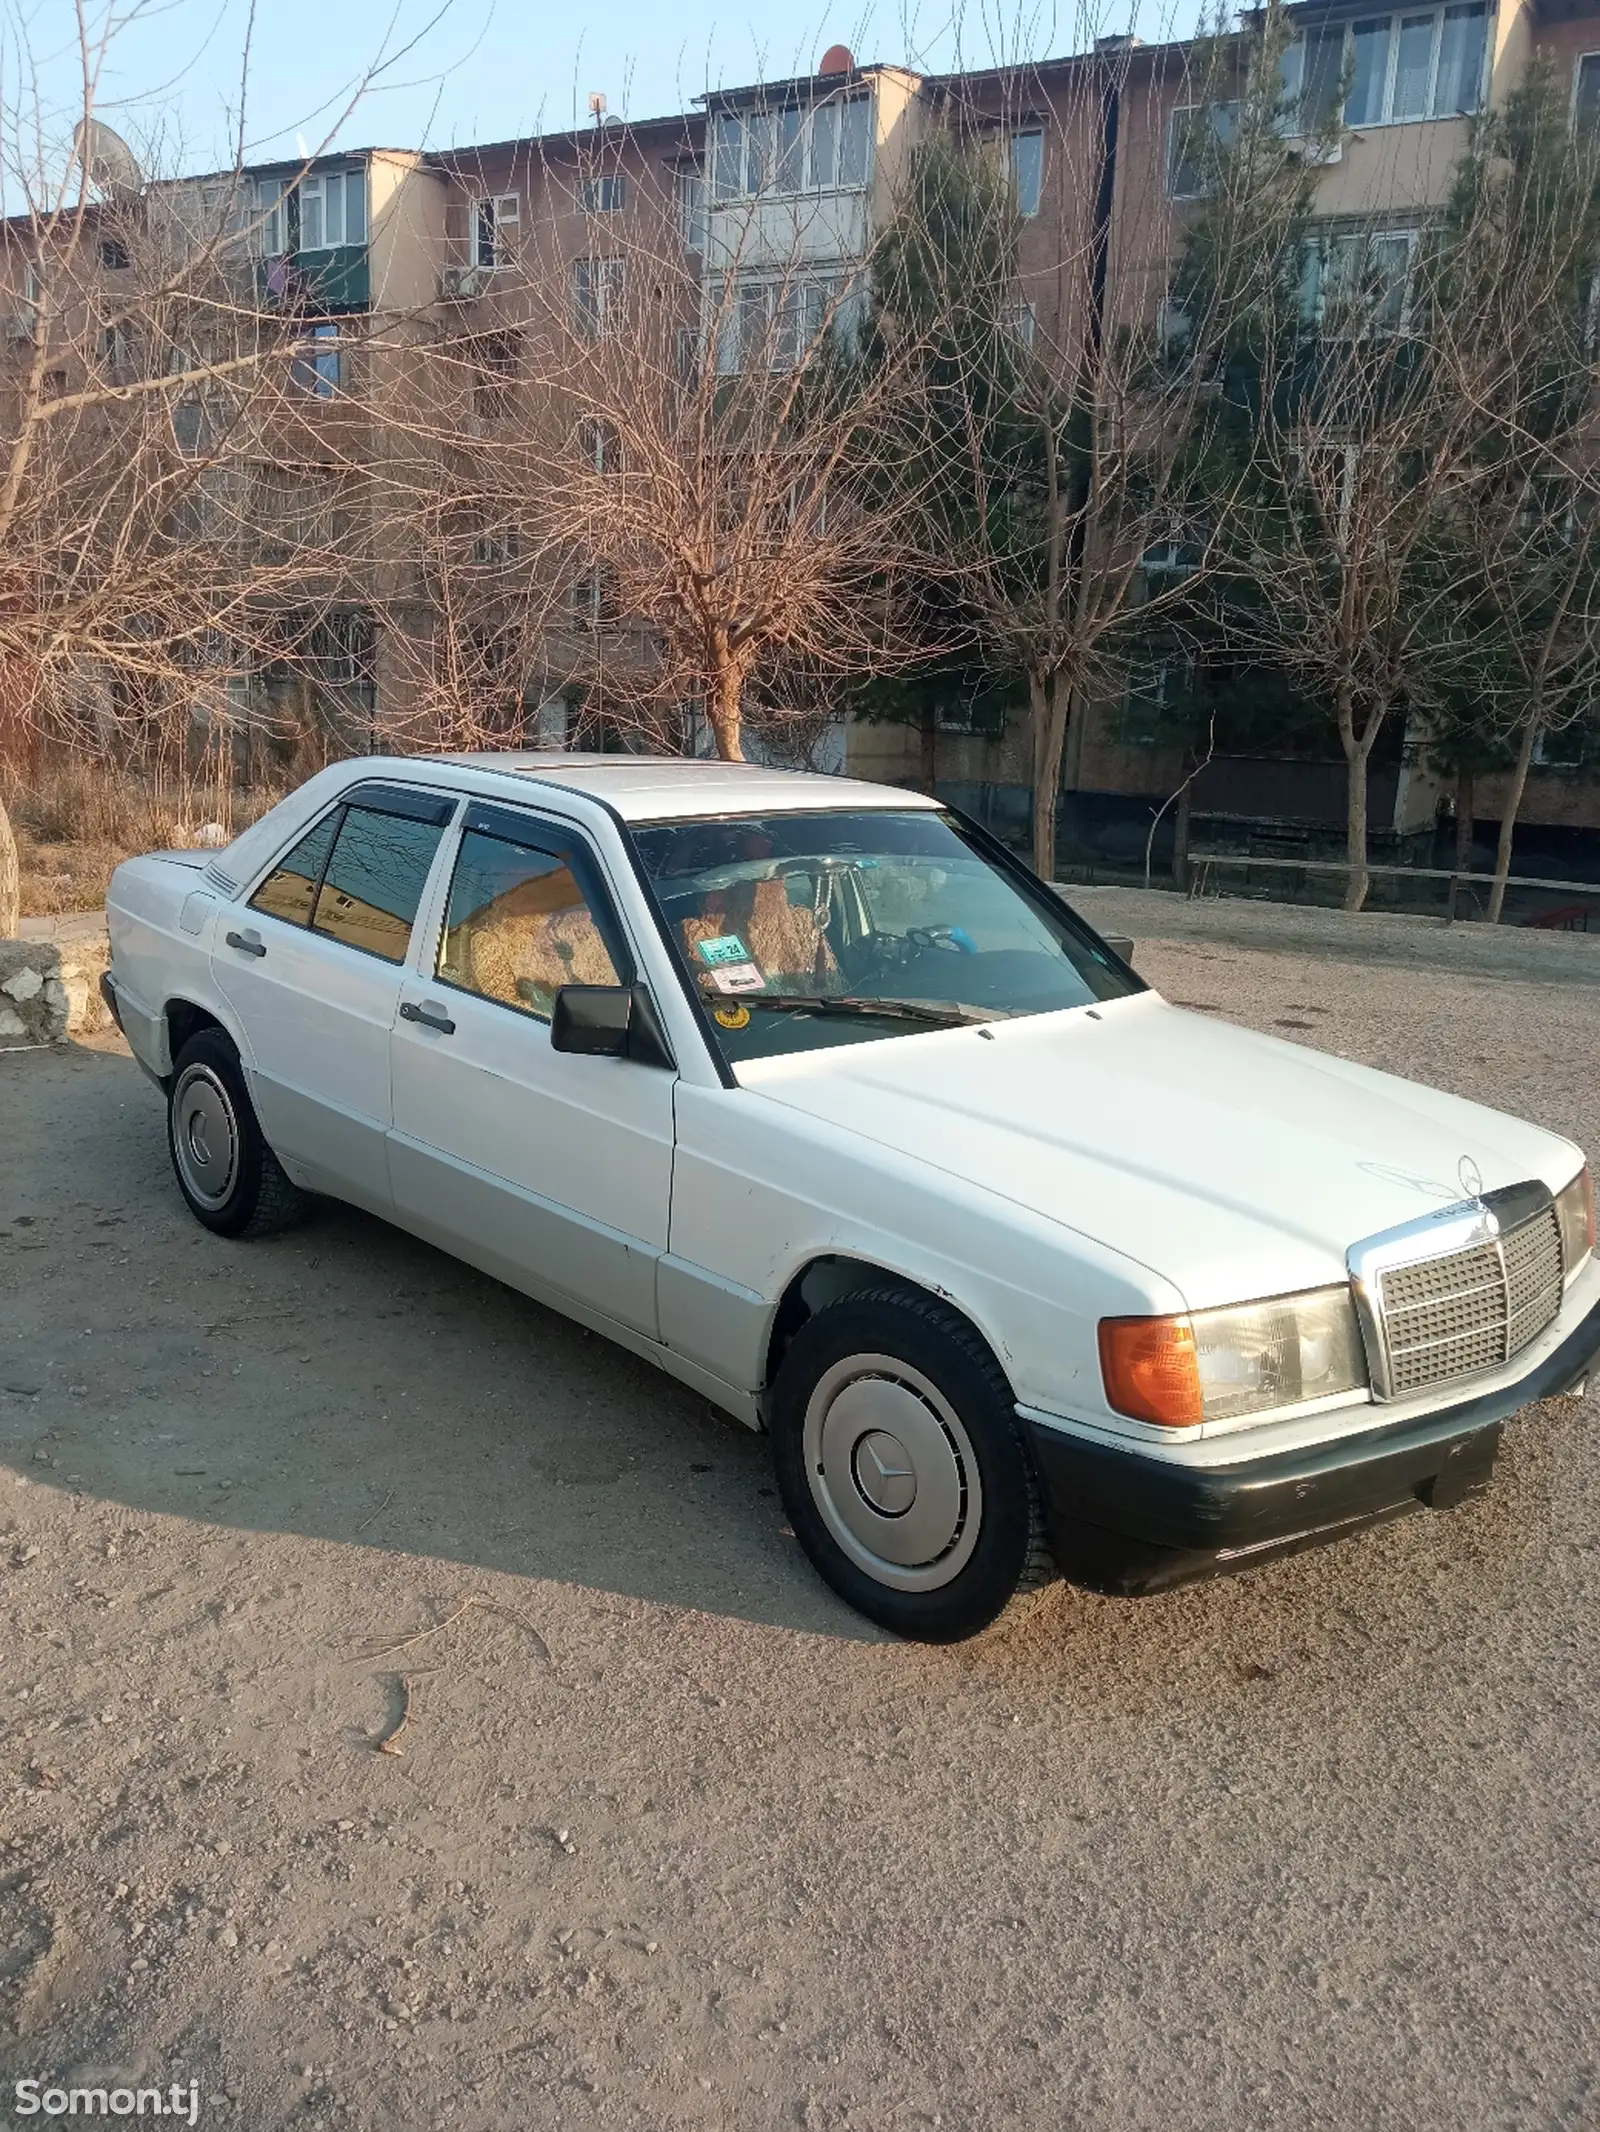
[742,1405]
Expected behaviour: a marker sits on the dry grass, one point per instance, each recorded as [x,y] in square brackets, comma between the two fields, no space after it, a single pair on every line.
[76,821]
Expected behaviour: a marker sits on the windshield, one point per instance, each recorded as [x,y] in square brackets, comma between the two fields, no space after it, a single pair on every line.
[800,930]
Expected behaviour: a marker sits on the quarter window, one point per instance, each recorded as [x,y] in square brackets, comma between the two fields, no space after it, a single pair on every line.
[520,926]
[290,890]
[374,881]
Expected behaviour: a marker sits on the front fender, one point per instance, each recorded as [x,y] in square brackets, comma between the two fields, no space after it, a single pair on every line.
[760,1193]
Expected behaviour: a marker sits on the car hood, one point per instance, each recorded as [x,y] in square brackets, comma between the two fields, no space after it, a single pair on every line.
[1232,1164]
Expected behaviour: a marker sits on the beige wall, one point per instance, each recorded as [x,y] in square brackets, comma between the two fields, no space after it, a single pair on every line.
[405,252]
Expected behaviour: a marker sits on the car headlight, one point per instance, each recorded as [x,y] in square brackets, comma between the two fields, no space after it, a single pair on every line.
[1214,1365]
[1575,1212]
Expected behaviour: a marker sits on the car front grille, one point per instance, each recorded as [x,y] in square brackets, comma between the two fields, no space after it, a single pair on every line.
[1471,1310]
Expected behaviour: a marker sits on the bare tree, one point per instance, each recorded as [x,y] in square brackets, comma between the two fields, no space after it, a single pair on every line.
[176,512]
[688,457]
[1512,277]
[1076,434]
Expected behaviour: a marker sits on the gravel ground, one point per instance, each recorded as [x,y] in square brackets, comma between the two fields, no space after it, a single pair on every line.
[674,1839]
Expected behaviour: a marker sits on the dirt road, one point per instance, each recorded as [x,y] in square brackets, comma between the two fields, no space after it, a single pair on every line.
[673,1839]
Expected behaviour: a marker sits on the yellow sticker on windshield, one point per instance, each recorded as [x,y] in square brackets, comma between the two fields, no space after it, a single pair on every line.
[731,1017]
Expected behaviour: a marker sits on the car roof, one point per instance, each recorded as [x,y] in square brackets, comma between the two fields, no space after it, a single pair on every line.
[661,788]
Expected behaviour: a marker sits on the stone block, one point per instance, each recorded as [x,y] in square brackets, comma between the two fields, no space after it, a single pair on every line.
[34,1003]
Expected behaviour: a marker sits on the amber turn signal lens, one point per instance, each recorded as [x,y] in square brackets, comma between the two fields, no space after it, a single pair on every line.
[1151,1370]
[1586,1187]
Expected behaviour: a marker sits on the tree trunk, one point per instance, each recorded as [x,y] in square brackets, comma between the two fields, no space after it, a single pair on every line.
[1047,700]
[1180,842]
[1509,812]
[1357,880]
[725,709]
[10,878]
[1466,802]
[928,737]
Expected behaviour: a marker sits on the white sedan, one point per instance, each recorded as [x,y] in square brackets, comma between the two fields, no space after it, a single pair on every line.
[809,1092]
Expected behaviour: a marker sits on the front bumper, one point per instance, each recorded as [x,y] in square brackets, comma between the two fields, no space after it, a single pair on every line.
[1123,1521]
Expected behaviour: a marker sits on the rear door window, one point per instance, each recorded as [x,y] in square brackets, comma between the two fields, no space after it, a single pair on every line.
[374,881]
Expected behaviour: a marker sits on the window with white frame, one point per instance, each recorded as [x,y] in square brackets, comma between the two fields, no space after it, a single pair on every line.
[691,191]
[1313,73]
[1021,323]
[604,195]
[495,547]
[823,147]
[600,445]
[495,365]
[1159,689]
[1416,64]
[323,211]
[598,286]
[774,324]
[272,217]
[1024,158]
[1586,89]
[318,366]
[119,350]
[1196,135]
[1358,281]
[1179,554]
[333,209]
[1563,747]
[496,221]
[594,600]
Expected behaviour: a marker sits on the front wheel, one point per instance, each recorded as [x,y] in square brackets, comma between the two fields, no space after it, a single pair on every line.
[230,1178]
[902,1467]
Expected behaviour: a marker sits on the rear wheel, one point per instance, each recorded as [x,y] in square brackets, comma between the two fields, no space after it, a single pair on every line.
[230,1178]
[902,1467]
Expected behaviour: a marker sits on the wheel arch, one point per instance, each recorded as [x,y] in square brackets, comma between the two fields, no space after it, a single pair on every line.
[827,1276]
[183,1018]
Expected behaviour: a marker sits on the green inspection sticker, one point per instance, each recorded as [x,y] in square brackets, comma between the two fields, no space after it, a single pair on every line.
[727,947]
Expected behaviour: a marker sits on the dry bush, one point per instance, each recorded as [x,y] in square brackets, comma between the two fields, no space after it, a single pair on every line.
[77,819]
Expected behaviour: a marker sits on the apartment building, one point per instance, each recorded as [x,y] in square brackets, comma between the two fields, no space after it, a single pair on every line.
[402,283]
[1412,78]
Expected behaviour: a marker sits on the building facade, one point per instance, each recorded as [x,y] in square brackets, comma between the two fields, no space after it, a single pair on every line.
[429,301]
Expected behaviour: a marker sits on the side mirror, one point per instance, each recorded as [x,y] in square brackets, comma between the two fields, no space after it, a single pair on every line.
[609,1022]
[1120,944]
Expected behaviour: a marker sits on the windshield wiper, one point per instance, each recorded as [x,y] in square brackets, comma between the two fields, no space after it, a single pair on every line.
[947,1015]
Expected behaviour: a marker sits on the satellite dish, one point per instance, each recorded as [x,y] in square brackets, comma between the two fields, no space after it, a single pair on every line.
[109,164]
[838,59]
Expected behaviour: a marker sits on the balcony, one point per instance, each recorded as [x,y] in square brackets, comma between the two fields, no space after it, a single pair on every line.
[337,278]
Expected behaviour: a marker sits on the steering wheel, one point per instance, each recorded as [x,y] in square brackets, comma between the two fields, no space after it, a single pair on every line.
[950,938]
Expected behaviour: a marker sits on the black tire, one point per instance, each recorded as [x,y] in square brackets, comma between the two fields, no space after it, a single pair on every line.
[878,1371]
[231,1180]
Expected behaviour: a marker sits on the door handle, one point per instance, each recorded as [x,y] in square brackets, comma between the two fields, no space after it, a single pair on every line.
[246,943]
[430,1016]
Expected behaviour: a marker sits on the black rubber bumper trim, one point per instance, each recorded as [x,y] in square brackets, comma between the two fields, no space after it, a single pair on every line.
[1124,1522]
[108,992]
